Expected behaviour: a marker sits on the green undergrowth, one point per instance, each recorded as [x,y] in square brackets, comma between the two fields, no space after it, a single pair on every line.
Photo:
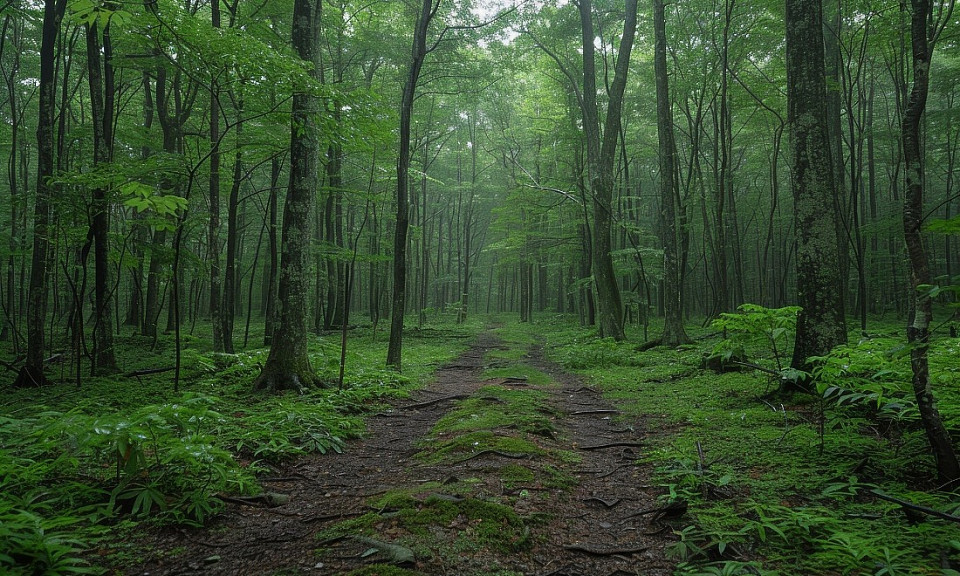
[781,484]
[124,447]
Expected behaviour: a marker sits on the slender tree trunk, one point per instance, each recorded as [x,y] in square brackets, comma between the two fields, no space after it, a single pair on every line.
[270,278]
[428,10]
[673,332]
[230,280]
[918,331]
[288,365]
[213,230]
[14,27]
[32,372]
[100,77]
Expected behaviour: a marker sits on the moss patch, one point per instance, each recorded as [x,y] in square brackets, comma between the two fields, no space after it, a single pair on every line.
[494,407]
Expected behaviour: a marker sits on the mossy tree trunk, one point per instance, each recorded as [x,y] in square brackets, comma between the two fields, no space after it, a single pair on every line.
[288,365]
[601,156]
[821,324]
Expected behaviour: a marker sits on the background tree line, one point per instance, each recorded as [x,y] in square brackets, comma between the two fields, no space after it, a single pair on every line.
[557,161]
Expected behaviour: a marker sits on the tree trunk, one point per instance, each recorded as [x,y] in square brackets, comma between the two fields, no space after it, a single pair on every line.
[288,365]
[230,281]
[601,156]
[821,324]
[673,331]
[270,278]
[213,230]
[32,372]
[15,172]
[428,10]
[918,331]
[101,83]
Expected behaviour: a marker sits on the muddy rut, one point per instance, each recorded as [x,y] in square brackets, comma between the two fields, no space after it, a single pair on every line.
[606,524]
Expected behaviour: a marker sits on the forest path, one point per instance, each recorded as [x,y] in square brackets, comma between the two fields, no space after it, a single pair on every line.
[554,493]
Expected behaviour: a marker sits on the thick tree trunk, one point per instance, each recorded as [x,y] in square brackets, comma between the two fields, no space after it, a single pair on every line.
[821,324]
[601,156]
[918,331]
[32,372]
[673,331]
[428,10]
[288,365]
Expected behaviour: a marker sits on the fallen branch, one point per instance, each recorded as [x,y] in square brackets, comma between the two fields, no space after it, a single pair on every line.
[327,517]
[148,372]
[432,402]
[614,445]
[585,412]
[673,509]
[512,455]
[916,507]
[755,367]
[609,552]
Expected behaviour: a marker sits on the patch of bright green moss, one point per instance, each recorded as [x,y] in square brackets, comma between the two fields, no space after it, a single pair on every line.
[499,407]
[458,448]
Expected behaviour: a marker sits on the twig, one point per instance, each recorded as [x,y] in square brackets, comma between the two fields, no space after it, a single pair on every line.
[583,412]
[148,371]
[610,552]
[326,517]
[614,445]
[513,455]
[755,367]
[917,507]
[432,402]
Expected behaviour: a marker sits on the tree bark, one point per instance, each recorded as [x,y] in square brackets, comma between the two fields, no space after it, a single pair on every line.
[673,331]
[100,78]
[821,324]
[213,230]
[428,10]
[288,364]
[32,372]
[601,156]
[918,331]
[230,287]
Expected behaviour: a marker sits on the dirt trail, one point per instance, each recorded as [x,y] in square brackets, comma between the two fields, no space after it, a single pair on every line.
[589,528]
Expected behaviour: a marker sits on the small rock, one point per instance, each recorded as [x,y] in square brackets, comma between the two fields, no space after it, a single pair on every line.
[211,559]
[319,565]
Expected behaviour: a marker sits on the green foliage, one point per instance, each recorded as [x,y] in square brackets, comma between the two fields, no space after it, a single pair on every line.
[754,329]
[133,448]
[766,493]
[599,353]
[35,540]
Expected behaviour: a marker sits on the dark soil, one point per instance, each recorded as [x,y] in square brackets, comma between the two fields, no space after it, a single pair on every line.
[604,525]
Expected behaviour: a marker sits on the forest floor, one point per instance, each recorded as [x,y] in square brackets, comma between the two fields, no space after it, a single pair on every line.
[503,464]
